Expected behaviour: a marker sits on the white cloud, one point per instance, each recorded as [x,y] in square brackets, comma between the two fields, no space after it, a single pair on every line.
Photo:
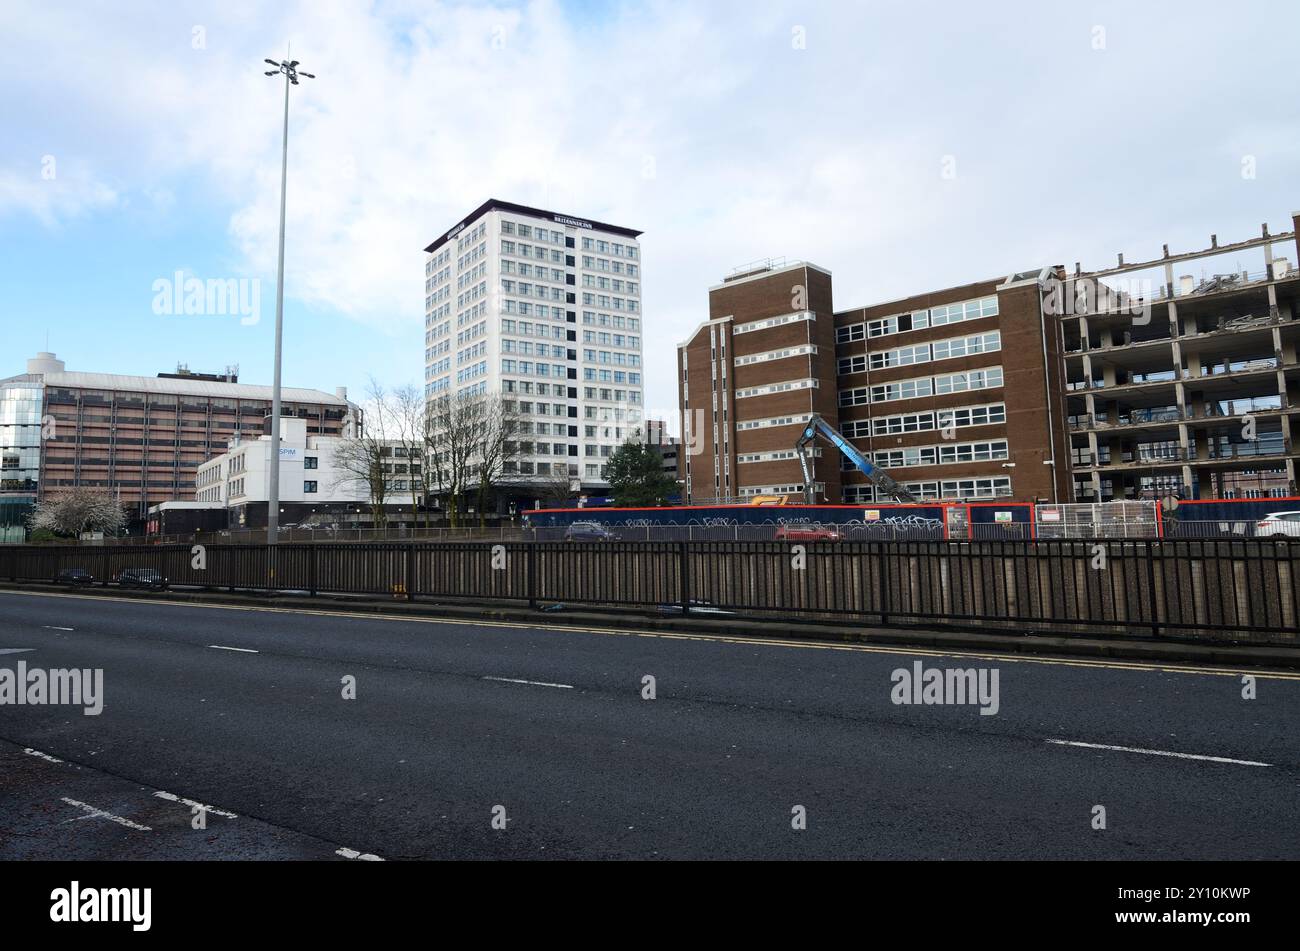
[55,198]
[829,153]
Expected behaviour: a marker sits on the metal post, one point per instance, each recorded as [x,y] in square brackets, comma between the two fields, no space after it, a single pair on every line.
[290,70]
[273,498]
[684,569]
[1156,606]
[532,575]
[883,581]
[410,572]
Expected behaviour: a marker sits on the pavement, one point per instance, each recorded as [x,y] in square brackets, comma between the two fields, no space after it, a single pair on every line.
[501,739]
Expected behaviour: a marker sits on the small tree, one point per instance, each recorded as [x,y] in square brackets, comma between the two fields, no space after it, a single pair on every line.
[77,511]
[635,473]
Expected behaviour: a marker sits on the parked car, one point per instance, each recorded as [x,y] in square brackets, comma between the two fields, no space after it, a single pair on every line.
[141,578]
[73,576]
[588,532]
[1279,525]
[806,533]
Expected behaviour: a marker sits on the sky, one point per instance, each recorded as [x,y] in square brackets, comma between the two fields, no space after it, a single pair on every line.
[905,147]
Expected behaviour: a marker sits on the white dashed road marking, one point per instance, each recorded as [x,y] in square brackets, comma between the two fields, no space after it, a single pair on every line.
[93,813]
[1133,749]
[45,756]
[172,797]
[242,650]
[55,627]
[531,683]
[354,854]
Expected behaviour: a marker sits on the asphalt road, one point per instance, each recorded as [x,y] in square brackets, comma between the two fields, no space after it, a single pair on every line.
[455,724]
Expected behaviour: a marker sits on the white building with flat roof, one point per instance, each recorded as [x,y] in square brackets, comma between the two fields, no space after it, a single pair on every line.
[312,482]
[545,309]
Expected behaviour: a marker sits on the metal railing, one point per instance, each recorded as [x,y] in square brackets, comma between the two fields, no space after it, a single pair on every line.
[1244,590]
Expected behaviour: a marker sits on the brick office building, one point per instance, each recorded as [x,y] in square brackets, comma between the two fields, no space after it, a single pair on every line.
[956,392]
[140,438]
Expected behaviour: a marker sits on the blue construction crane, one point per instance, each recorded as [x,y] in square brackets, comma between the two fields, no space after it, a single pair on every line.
[819,427]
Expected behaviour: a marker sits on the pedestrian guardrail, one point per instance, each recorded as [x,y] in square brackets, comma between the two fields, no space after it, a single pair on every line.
[1245,589]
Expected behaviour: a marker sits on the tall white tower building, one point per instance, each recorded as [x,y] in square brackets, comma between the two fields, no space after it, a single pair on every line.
[546,309]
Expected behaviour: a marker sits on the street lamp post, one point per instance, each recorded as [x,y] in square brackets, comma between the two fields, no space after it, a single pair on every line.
[289,68]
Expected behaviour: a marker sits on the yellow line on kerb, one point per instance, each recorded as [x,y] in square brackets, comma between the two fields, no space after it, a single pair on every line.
[714,638]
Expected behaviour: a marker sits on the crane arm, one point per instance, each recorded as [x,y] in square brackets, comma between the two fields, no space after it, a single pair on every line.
[878,477]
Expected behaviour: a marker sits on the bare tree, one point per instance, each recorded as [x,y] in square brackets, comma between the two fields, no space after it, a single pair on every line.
[448,442]
[499,446]
[558,487]
[365,459]
[471,444]
[410,423]
[79,510]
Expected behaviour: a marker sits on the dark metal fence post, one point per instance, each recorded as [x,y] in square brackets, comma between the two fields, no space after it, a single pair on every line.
[882,579]
[311,569]
[684,570]
[410,572]
[1156,606]
[532,575]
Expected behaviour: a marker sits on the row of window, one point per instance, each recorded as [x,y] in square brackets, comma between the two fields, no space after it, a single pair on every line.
[617,285]
[528,349]
[776,355]
[604,300]
[601,246]
[537,253]
[923,386]
[923,353]
[751,326]
[918,320]
[942,454]
[592,375]
[774,421]
[605,264]
[592,319]
[606,339]
[534,232]
[926,421]
[974,488]
[530,368]
[527,309]
[774,456]
[782,387]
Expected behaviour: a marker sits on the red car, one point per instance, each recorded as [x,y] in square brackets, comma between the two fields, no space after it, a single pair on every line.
[806,533]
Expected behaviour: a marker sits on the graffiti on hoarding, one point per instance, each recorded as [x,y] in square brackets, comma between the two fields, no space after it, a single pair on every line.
[910,521]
